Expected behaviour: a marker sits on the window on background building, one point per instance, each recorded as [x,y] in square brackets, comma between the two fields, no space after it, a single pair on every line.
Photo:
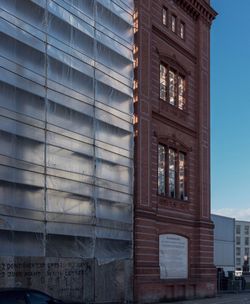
[247,251]
[238,261]
[246,241]
[182,30]
[172,87]
[164,16]
[172,180]
[173,23]
[247,230]
[238,251]
[237,240]
[238,229]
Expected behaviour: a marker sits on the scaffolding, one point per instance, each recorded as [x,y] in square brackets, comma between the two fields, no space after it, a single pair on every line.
[66,147]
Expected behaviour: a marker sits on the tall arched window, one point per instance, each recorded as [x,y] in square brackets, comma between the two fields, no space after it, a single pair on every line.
[172,172]
[172,86]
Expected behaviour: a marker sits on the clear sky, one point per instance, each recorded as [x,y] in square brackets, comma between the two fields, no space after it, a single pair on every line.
[230,109]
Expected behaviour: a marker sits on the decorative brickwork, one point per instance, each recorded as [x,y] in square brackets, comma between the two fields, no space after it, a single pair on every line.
[157,121]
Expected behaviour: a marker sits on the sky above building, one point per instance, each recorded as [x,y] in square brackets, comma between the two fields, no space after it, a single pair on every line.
[230,109]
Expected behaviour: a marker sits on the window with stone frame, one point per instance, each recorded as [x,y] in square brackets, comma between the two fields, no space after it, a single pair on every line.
[247,230]
[172,86]
[165,16]
[247,251]
[238,251]
[172,172]
[182,30]
[174,23]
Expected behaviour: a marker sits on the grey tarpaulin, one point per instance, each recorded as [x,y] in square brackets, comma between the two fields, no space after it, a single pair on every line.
[66,147]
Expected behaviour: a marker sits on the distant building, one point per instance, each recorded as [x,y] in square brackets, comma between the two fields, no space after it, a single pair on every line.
[224,242]
[242,247]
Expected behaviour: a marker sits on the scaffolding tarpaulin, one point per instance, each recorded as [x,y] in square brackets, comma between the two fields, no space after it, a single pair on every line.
[66,147]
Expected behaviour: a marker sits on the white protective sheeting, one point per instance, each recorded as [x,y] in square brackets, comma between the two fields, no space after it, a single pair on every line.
[66,134]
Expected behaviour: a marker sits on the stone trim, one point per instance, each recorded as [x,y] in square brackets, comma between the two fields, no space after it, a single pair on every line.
[198,8]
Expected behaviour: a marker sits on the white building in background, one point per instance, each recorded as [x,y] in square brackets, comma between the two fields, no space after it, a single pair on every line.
[224,242]
[242,234]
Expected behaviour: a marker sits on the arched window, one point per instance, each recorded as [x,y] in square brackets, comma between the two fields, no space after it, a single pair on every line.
[172,172]
[172,86]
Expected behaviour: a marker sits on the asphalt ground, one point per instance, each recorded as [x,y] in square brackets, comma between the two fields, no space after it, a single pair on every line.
[232,298]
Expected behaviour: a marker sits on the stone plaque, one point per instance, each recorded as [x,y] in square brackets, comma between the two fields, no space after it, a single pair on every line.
[173,256]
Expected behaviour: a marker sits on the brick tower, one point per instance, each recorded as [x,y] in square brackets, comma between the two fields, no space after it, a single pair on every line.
[173,234]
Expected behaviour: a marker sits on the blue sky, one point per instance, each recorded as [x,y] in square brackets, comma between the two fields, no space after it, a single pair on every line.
[230,109]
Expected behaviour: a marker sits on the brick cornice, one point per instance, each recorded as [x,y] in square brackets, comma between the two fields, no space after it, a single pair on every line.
[156,30]
[198,8]
[178,125]
[152,215]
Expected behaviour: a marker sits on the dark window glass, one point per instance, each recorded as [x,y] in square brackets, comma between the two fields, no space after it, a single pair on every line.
[238,229]
[238,240]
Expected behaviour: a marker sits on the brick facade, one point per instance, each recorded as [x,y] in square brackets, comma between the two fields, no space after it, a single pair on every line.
[156,121]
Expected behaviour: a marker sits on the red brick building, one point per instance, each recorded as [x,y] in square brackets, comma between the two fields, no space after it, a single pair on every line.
[173,235]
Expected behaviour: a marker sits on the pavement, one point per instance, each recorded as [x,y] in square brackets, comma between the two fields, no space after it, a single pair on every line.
[232,298]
